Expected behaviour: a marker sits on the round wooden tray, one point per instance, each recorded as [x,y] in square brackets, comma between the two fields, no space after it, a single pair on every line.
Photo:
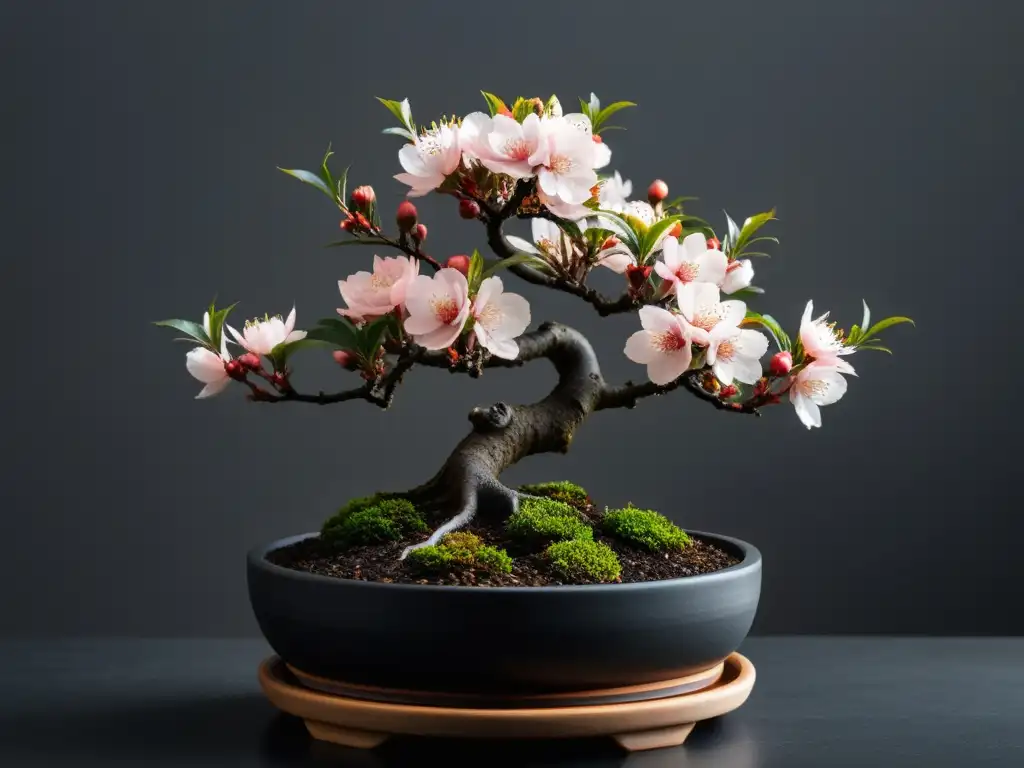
[637,725]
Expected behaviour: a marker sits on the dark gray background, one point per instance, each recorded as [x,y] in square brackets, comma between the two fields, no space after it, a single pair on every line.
[140,141]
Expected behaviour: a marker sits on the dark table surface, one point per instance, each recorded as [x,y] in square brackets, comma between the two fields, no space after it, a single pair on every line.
[822,702]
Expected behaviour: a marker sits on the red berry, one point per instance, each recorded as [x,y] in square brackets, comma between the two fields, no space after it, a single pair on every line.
[729,390]
[459,262]
[363,196]
[781,364]
[714,244]
[406,216]
[249,361]
[469,209]
[657,192]
[420,233]
[676,230]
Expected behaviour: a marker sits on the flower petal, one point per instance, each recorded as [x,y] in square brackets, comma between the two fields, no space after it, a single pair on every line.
[666,368]
[213,388]
[640,348]
[807,411]
[657,319]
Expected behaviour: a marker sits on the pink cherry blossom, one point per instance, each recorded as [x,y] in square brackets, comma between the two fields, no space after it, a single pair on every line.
[565,161]
[208,367]
[438,307]
[820,341]
[690,261]
[816,385]
[499,318]
[663,345]
[710,318]
[432,156]
[501,144]
[735,354]
[260,336]
[738,275]
[372,295]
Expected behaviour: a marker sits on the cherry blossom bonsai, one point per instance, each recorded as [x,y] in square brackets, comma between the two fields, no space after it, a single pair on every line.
[693,292]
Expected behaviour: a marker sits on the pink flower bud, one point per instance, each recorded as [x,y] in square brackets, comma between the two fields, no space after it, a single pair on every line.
[345,359]
[459,262]
[363,196]
[249,361]
[657,192]
[729,390]
[676,230]
[235,370]
[781,364]
[714,244]
[420,233]
[611,242]
[406,216]
[469,209]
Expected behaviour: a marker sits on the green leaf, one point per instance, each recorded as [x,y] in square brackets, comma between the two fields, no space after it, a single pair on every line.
[750,226]
[623,228]
[598,121]
[189,328]
[750,290]
[551,104]
[279,355]
[881,325]
[654,232]
[494,104]
[400,109]
[475,273]
[341,332]
[769,323]
[511,261]
[217,318]
[310,178]
[372,335]
[341,185]
[732,235]
[521,109]
[874,346]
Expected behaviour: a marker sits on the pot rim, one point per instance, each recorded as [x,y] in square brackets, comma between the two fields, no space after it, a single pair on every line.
[751,560]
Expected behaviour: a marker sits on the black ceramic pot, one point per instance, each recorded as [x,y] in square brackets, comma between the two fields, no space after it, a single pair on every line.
[512,641]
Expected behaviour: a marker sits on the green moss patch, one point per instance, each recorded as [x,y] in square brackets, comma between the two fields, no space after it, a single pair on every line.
[542,521]
[584,560]
[561,490]
[372,520]
[459,551]
[644,528]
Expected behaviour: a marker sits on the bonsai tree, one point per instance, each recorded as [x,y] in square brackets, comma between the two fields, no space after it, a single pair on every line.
[693,294]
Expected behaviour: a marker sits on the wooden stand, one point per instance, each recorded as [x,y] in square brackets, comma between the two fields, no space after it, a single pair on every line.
[637,725]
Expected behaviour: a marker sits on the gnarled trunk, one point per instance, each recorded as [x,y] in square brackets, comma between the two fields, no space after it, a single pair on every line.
[503,434]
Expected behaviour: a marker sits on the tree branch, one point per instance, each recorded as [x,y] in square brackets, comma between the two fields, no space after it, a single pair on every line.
[495,219]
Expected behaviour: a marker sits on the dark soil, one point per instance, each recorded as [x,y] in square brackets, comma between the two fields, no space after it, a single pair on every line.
[381,563]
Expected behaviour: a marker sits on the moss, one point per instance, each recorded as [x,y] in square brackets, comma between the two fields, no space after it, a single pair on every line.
[561,490]
[449,555]
[373,520]
[462,540]
[584,560]
[644,528]
[545,521]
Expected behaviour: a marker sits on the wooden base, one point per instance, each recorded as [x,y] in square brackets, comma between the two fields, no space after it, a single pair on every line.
[636,726]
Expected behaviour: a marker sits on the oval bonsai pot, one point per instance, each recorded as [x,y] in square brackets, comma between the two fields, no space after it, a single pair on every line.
[504,640]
